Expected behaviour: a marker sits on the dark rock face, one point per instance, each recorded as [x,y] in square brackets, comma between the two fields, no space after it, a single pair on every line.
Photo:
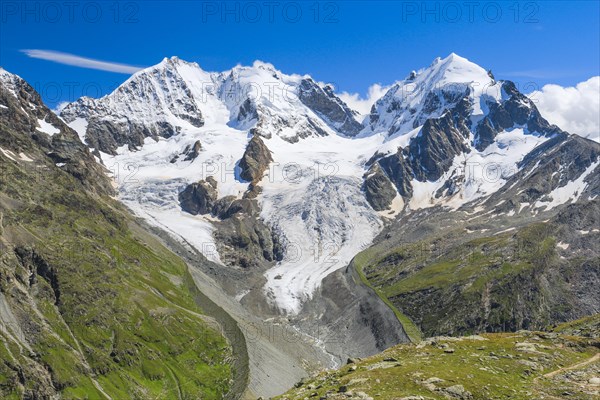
[428,156]
[379,189]
[450,187]
[537,177]
[328,106]
[255,160]
[107,135]
[247,111]
[399,170]
[19,133]
[449,97]
[243,239]
[431,153]
[38,266]
[517,110]
[199,197]
[485,134]
[221,207]
[192,152]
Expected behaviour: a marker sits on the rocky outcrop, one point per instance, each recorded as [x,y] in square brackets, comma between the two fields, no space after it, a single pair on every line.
[379,190]
[399,171]
[537,176]
[247,111]
[243,239]
[27,126]
[199,197]
[328,106]
[255,161]
[192,152]
[39,267]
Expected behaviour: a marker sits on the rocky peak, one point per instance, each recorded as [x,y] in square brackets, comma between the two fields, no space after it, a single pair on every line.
[155,102]
[32,131]
[429,92]
[462,116]
[328,106]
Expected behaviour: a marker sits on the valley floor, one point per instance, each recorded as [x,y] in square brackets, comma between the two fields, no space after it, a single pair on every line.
[272,355]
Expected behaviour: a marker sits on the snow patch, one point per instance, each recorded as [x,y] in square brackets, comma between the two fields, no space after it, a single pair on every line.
[484,171]
[25,157]
[46,127]
[9,154]
[79,125]
[570,192]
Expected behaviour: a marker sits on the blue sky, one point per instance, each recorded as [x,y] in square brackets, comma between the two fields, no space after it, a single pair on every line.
[352,44]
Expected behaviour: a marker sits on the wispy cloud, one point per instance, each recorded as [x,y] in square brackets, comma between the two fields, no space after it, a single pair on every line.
[82,62]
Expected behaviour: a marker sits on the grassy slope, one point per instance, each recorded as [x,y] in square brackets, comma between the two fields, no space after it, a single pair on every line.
[490,366]
[436,264]
[587,327]
[125,315]
[359,262]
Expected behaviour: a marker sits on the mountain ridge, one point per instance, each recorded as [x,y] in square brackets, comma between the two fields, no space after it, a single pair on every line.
[431,139]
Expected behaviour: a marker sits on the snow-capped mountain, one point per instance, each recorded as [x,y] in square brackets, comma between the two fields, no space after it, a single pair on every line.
[429,92]
[175,95]
[290,185]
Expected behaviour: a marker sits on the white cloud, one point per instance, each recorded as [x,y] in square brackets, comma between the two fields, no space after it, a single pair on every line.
[363,105]
[60,106]
[83,62]
[573,109]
